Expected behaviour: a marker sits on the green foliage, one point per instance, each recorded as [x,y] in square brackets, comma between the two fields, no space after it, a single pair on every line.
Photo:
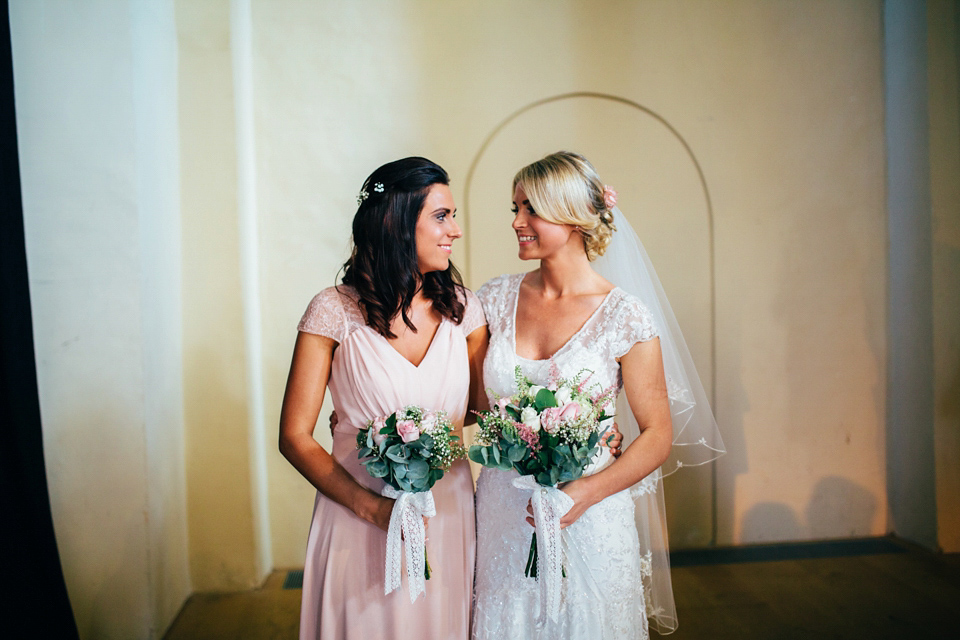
[544,400]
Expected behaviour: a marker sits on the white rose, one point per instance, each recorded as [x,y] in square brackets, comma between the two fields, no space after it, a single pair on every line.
[534,390]
[531,418]
[564,395]
[429,422]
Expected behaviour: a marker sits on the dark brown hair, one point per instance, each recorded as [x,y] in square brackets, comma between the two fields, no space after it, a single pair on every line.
[383,266]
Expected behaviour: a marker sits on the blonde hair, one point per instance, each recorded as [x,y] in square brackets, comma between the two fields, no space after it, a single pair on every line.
[564,188]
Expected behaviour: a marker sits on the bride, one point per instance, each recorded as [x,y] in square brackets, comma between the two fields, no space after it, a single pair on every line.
[565,316]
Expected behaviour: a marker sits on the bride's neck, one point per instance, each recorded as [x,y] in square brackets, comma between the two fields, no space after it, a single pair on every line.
[566,273]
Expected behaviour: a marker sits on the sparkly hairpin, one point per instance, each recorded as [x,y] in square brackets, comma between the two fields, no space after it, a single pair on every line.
[363,195]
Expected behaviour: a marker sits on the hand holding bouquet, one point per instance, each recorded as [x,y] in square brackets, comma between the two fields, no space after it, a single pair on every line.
[410,449]
[549,435]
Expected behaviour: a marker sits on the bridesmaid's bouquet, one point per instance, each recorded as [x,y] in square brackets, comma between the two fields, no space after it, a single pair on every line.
[549,435]
[410,449]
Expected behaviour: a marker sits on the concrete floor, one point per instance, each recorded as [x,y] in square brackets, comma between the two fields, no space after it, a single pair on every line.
[911,594]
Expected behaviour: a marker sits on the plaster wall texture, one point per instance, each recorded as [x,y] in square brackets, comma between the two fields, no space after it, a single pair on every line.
[98,133]
[223,549]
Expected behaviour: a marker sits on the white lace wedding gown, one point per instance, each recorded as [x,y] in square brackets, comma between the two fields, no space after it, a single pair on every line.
[603,593]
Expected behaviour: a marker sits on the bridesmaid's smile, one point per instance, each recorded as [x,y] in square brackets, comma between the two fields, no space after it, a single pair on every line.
[436,230]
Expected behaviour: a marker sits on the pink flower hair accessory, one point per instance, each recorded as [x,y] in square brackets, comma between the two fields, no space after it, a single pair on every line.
[609,196]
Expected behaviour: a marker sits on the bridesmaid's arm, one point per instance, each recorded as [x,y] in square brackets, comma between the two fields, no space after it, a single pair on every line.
[306,385]
[477,343]
[646,389]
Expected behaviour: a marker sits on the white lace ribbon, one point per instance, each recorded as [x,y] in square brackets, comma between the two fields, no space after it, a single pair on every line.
[549,505]
[406,527]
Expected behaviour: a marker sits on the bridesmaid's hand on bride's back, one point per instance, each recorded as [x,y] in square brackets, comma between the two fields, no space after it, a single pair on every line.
[612,441]
[334,420]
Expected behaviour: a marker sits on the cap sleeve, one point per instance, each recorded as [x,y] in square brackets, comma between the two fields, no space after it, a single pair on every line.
[325,316]
[637,325]
[473,317]
[491,296]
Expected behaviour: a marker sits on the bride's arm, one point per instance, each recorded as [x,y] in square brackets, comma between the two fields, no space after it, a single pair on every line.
[646,389]
[306,385]
[477,343]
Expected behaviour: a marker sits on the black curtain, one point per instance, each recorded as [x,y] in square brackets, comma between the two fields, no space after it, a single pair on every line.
[33,601]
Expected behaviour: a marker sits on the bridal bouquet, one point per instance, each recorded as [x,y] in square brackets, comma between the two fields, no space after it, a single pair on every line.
[549,435]
[410,449]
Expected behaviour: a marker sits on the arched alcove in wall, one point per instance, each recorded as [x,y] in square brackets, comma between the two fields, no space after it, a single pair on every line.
[664,195]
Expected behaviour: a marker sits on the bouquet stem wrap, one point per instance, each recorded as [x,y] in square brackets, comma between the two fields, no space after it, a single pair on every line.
[406,528]
[549,505]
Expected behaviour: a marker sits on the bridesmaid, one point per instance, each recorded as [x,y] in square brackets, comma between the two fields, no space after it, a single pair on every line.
[401,329]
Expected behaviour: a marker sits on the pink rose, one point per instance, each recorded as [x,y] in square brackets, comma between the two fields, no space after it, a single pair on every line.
[609,196]
[378,425]
[550,419]
[570,412]
[408,430]
[501,405]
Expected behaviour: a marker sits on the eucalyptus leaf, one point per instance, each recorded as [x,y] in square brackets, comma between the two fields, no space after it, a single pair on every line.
[378,468]
[545,399]
[417,469]
[516,453]
[475,453]
[396,453]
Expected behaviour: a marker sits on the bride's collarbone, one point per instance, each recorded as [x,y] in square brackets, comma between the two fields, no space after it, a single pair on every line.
[544,327]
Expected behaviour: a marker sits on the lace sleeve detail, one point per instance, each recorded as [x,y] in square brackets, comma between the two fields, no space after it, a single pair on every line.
[635,324]
[326,316]
[473,317]
[493,296]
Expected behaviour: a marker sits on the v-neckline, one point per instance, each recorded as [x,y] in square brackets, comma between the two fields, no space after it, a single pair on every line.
[516,303]
[426,354]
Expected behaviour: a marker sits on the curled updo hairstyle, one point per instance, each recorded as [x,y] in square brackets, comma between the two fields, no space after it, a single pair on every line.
[383,266]
[564,188]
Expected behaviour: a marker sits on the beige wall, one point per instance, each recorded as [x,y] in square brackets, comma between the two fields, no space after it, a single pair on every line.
[782,106]
[783,301]
[223,553]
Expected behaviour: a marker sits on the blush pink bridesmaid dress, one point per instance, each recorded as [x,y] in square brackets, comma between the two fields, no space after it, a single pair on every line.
[343,579]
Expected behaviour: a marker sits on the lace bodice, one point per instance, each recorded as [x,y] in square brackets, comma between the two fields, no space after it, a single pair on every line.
[334,313]
[619,322]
